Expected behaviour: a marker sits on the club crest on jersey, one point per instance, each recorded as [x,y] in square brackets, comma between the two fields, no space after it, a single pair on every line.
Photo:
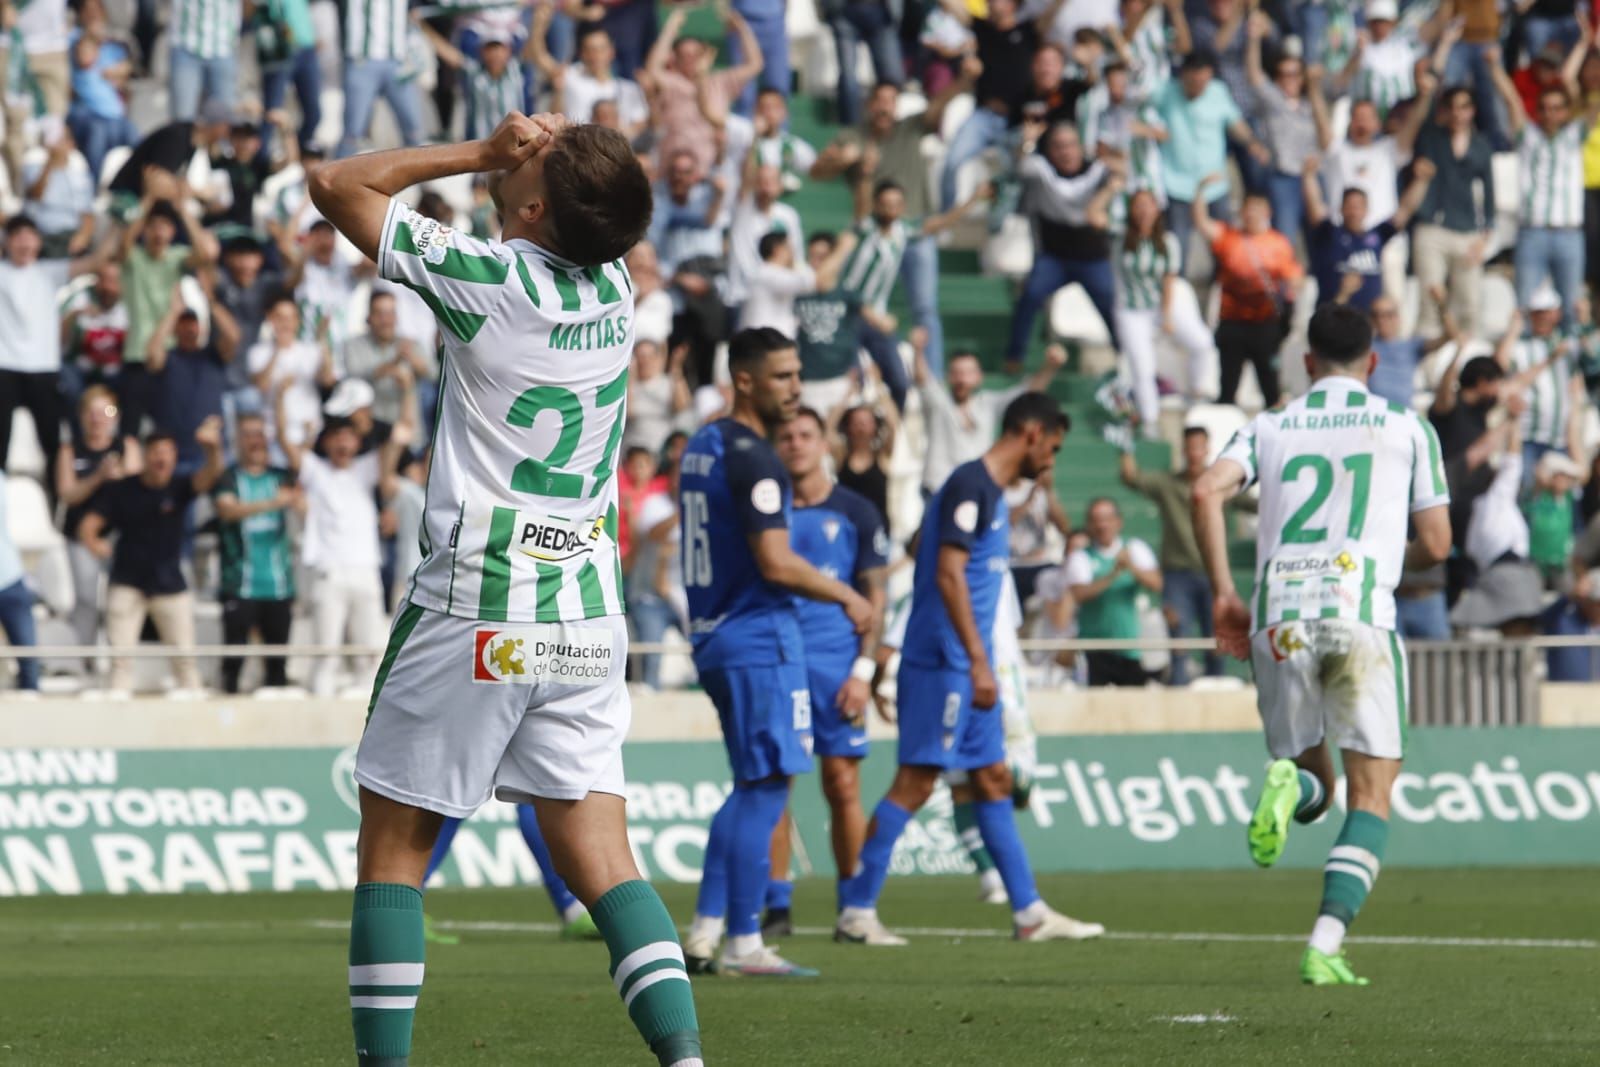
[830,530]
[498,656]
[556,541]
[1284,641]
[432,239]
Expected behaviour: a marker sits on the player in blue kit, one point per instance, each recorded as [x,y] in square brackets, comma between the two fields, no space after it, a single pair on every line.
[740,574]
[576,922]
[948,696]
[840,533]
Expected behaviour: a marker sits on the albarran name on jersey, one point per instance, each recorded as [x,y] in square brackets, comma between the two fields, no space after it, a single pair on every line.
[1348,420]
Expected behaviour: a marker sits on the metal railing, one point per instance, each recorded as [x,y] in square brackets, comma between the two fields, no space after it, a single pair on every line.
[1453,683]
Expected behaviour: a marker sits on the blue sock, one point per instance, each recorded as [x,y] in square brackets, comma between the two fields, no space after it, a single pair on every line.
[780,892]
[554,884]
[712,902]
[1311,797]
[750,863]
[861,889]
[441,847]
[997,821]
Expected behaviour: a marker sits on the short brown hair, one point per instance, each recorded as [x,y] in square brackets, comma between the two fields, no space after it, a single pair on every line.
[600,199]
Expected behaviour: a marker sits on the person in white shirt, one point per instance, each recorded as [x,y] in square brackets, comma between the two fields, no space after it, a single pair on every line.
[774,284]
[579,86]
[758,214]
[323,281]
[774,145]
[283,363]
[339,545]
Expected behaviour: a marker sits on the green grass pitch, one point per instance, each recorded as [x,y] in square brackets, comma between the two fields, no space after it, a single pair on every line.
[1489,967]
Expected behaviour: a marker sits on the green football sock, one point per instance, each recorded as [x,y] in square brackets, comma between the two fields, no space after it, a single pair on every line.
[1312,796]
[966,818]
[647,967]
[1352,865]
[385,971]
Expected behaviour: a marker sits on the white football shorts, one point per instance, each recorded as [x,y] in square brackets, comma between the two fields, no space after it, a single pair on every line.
[1331,679]
[463,710]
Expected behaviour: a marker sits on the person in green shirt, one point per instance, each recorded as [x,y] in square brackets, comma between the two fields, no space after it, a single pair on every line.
[253,500]
[1109,578]
[153,263]
[1549,511]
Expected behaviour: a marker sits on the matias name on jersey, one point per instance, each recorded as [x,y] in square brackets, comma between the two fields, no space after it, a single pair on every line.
[602,333]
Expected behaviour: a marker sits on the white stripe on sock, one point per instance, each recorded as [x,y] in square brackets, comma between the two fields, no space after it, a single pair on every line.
[1353,869]
[651,979]
[387,1003]
[386,974]
[1356,854]
[656,950]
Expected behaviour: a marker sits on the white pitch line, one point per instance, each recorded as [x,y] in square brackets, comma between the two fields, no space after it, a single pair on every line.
[500,927]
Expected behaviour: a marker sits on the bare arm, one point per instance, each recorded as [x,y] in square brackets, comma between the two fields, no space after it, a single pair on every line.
[449,53]
[156,349]
[782,566]
[828,269]
[971,68]
[655,64]
[1431,545]
[939,223]
[1211,492]
[751,61]
[92,534]
[1253,71]
[1319,108]
[224,331]
[1580,52]
[1422,173]
[1516,114]
[1182,40]
[1311,189]
[354,193]
[538,50]
[1208,228]
[1508,342]
[1055,357]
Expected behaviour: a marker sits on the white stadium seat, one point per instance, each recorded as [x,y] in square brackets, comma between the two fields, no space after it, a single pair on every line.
[1009,253]
[1073,316]
[1496,303]
[24,456]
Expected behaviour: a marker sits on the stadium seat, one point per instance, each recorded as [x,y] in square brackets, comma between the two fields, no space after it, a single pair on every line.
[1219,421]
[1073,317]
[910,103]
[267,195]
[74,294]
[1339,117]
[41,545]
[1009,253]
[25,459]
[1507,202]
[956,113]
[113,163]
[194,298]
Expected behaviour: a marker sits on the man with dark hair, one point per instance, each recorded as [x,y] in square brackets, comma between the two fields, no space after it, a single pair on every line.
[742,574]
[1343,476]
[148,511]
[1347,255]
[839,532]
[188,372]
[536,332]
[1457,217]
[948,695]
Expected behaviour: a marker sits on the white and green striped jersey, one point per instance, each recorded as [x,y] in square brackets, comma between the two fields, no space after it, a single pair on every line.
[1151,48]
[1387,74]
[874,263]
[1552,175]
[1339,40]
[1341,473]
[1099,121]
[1549,403]
[206,28]
[490,99]
[520,521]
[376,29]
[1142,271]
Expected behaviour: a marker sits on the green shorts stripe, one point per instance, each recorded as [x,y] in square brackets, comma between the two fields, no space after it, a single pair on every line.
[407,621]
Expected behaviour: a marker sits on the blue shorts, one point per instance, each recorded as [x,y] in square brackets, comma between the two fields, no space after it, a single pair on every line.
[766,718]
[939,727]
[834,735]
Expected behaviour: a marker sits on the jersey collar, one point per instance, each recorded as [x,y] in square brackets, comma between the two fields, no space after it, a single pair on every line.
[522,244]
[1337,383]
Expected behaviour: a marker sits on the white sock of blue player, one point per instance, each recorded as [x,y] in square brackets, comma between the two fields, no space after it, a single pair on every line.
[568,906]
[760,806]
[997,821]
[861,890]
[711,905]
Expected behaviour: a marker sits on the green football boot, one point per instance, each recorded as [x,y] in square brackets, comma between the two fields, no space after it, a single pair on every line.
[432,933]
[1269,826]
[1319,968]
[581,928]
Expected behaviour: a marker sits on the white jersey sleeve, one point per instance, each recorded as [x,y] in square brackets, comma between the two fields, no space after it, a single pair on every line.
[1241,449]
[460,278]
[1428,486]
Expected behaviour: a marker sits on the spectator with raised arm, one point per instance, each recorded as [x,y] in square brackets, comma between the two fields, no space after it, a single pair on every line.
[758,213]
[96,454]
[895,146]
[579,86]
[58,196]
[1283,115]
[683,88]
[253,499]
[778,281]
[339,546]
[281,361]
[188,373]
[1399,356]
[1382,69]
[1550,151]
[1260,278]
[148,512]
[963,418]
[1542,362]
[1347,256]
[1067,198]
[495,81]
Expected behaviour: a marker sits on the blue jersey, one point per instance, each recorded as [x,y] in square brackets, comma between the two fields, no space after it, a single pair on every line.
[841,537]
[969,512]
[731,485]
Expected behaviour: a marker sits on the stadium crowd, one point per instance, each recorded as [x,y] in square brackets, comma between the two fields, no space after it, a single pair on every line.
[227,414]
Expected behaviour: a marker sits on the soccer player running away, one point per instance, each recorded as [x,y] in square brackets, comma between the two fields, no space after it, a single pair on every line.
[950,717]
[1342,474]
[741,574]
[504,670]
